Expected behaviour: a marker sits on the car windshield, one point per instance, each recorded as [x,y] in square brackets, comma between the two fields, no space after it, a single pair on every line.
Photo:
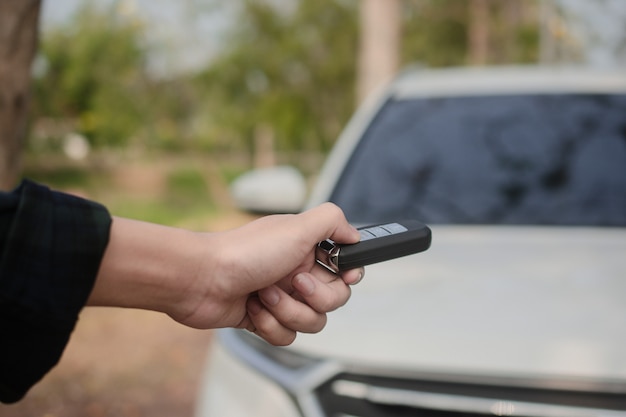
[544,159]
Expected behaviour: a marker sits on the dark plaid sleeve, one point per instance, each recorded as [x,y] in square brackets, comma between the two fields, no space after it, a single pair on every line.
[51,245]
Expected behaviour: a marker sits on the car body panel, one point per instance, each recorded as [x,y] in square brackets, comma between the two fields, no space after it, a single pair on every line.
[491,300]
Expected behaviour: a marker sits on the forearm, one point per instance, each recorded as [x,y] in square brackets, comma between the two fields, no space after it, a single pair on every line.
[146,266]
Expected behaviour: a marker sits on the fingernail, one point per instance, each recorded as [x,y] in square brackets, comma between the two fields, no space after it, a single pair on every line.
[270,295]
[304,284]
[360,276]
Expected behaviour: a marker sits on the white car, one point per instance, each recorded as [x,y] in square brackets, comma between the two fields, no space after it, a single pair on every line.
[519,306]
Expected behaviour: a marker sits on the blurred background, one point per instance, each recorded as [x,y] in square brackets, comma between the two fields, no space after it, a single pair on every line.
[154,107]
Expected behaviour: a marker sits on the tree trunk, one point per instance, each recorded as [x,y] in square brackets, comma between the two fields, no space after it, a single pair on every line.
[379,44]
[18,43]
[478,28]
[547,46]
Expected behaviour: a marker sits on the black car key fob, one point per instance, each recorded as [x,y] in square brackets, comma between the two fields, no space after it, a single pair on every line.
[378,243]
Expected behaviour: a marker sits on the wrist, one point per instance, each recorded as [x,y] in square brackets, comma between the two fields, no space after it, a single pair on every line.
[147,266]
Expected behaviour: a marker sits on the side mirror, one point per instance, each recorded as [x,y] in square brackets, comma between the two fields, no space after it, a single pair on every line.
[279,189]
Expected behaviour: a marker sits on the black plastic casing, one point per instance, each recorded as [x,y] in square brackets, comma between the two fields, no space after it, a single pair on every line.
[417,238]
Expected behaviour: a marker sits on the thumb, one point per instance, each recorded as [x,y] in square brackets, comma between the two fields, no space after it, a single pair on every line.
[328,221]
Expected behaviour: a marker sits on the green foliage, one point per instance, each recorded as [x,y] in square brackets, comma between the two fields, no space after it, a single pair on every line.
[285,67]
[290,70]
[63,177]
[95,76]
[188,181]
[435,32]
[294,70]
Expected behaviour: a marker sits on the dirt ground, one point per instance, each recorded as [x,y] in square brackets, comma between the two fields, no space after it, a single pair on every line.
[121,363]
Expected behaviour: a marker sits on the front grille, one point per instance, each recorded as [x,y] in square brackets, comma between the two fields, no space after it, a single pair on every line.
[354,395]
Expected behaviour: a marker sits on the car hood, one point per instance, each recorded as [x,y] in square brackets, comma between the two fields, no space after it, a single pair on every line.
[514,301]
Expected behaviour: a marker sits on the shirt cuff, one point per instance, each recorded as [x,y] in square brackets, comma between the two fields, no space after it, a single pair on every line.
[48,265]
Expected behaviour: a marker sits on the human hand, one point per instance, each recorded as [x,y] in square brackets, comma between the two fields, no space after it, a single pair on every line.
[269,280]
[262,276]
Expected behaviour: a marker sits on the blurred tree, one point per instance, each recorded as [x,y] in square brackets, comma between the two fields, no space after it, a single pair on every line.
[289,68]
[287,72]
[94,75]
[18,43]
[512,34]
[285,76]
[440,33]
[434,32]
